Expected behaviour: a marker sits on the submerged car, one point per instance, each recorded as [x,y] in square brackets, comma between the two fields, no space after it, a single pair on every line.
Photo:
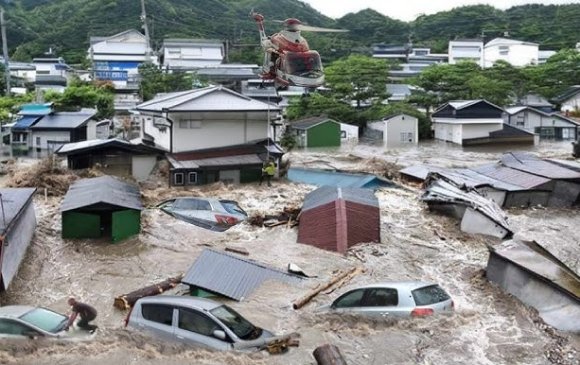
[396,299]
[27,322]
[197,321]
[213,214]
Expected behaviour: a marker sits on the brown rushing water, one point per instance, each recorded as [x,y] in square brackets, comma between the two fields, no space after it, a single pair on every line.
[489,327]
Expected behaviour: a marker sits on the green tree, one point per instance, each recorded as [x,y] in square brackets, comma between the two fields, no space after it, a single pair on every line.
[154,80]
[85,95]
[9,105]
[358,78]
[561,71]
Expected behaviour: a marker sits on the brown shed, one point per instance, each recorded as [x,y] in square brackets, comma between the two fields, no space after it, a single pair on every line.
[337,218]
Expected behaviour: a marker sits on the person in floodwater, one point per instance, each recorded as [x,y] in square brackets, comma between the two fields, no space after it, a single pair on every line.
[268,171]
[86,312]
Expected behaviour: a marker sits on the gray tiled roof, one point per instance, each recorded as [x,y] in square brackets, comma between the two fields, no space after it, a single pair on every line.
[232,276]
[104,189]
[65,120]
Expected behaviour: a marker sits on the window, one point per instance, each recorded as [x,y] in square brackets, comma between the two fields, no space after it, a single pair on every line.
[178,178]
[158,313]
[193,321]
[403,137]
[190,124]
[45,319]
[351,299]
[342,134]
[38,141]
[381,297]
[192,204]
[504,50]
[429,295]
[10,327]
[192,178]
[236,323]
[232,207]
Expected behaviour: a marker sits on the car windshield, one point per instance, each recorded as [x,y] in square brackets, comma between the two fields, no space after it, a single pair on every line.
[191,204]
[45,319]
[429,295]
[236,323]
[232,207]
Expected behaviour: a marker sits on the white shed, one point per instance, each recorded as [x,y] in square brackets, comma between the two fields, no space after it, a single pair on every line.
[348,133]
[396,130]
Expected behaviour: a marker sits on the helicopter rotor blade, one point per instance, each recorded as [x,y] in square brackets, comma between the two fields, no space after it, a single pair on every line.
[309,28]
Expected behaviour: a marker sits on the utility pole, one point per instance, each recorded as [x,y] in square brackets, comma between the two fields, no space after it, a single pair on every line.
[5,51]
[146,29]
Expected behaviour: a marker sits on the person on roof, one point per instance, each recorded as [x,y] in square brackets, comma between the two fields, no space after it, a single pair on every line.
[86,312]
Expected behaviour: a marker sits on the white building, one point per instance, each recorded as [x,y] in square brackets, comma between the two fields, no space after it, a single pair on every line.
[117,58]
[348,133]
[51,66]
[546,125]
[190,54]
[466,50]
[569,100]
[544,55]
[204,118]
[516,53]
[396,130]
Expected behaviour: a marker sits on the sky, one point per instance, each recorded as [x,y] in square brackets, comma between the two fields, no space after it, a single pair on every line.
[408,10]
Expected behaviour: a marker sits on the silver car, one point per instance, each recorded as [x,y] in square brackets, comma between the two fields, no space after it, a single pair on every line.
[197,321]
[213,214]
[27,322]
[397,299]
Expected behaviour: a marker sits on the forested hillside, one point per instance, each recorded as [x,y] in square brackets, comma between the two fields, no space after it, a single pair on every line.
[34,26]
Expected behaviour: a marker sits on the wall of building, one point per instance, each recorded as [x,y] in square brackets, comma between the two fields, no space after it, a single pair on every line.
[41,139]
[465,51]
[398,125]
[193,131]
[142,166]
[530,121]
[326,134]
[16,243]
[517,55]
[191,56]
[348,132]
[572,104]
[469,131]
[151,126]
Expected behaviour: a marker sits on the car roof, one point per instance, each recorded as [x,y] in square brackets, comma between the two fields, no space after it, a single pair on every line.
[15,311]
[409,285]
[186,301]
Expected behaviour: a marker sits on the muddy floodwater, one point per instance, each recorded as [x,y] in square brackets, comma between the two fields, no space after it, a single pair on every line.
[488,326]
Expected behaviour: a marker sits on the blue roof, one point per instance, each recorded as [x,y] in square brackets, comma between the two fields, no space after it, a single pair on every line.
[25,122]
[35,109]
[65,120]
[338,179]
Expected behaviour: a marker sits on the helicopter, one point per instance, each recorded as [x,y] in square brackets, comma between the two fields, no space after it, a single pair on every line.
[288,60]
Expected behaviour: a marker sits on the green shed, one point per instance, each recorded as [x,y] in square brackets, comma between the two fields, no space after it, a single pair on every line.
[101,207]
[316,132]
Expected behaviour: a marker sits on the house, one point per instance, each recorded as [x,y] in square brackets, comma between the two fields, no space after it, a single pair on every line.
[204,118]
[51,74]
[316,132]
[461,50]
[28,115]
[21,70]
[229,75]
[411,60]
[17,228]
[117,58]
[263,90]
[335,219]
[55,129]
[395,130]
[399,92]
[543,56]
[514,52]
[348,133]
[219,273]
[191,54]
[569,100]
[471,122]
[231,164]
[534,275]
[101,207]
[113,156]
[546,125]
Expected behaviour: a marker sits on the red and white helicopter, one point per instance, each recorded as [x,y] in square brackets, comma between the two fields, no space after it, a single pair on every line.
[288,60]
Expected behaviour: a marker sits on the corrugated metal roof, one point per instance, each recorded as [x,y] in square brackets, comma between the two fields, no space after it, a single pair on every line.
[419,172]
[511,176]
[327,194]
[529,163]
[75,147]
[335,178]
[307,123]
[65,120]
[14,200]
[104,189]
[232,276]
[214,98]
[536,259]
[218,161]
[25,122]
[497,184]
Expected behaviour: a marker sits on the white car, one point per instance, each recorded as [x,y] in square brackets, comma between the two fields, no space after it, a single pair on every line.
[27,322]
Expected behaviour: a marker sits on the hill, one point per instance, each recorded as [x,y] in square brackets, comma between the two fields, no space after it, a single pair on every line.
[34,26]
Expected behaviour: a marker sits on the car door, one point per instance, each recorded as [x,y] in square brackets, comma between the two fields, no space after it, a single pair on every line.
[16,330]
[157,319]
[196,328]
[382,302]
[348,302]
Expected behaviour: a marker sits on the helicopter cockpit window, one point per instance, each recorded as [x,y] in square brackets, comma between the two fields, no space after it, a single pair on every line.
[303,63]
